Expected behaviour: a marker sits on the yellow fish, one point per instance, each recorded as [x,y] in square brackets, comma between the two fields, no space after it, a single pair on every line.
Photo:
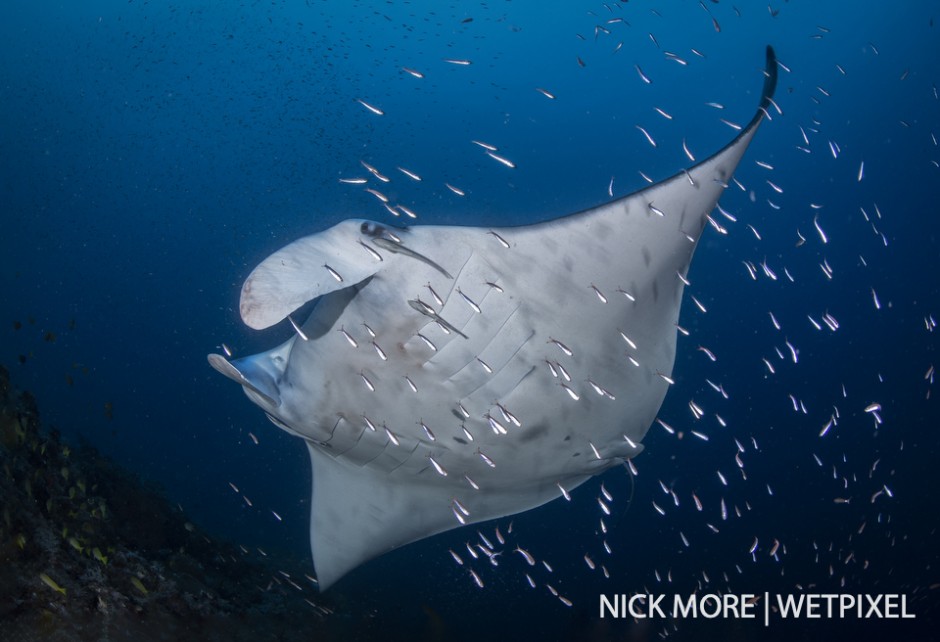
[96,553]
[139,585]
[51,583]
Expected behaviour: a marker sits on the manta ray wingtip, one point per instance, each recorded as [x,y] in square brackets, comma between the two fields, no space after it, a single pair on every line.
[770,77]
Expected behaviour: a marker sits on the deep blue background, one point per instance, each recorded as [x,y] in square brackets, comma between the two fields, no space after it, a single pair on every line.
[151,154]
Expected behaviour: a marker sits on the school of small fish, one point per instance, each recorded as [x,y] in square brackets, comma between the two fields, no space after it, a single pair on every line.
[800,248]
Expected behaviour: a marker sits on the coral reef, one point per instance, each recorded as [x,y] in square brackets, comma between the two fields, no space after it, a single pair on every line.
[87,551]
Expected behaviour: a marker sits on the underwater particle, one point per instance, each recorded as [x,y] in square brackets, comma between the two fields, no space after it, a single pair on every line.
[51,583]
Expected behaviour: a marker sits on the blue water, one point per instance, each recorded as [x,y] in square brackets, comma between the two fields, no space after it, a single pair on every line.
[152,154]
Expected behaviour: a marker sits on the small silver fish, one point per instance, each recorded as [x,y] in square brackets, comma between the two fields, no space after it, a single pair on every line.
[505,161]
[648,137]
[528,557]
[398,248]
[373,109]
[428,311]
[440,469]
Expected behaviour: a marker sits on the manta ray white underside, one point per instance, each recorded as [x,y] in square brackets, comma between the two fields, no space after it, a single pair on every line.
[451,374]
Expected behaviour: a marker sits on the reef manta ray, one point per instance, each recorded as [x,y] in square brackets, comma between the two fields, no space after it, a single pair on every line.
[449,375]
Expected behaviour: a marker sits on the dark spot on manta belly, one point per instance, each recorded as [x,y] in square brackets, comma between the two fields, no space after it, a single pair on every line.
[533,432]
[372,229]
[603,231]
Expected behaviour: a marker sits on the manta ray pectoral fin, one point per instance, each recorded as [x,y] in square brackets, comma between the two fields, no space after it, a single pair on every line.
[358,513]
[306,269]
[735,149]
[766,98]
[720,166]
[692,193]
